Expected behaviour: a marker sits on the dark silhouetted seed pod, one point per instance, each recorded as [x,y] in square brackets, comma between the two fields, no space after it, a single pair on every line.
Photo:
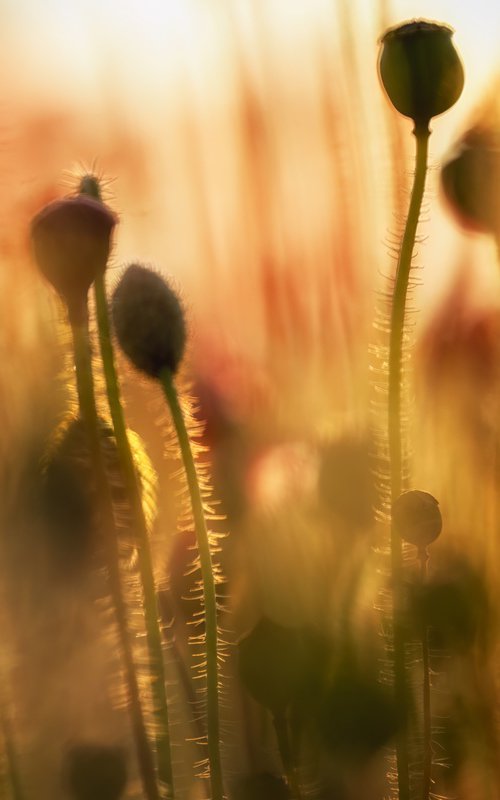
[420,70]
[271,662]
[149,321]
[95,772]
[71,243]
[417,518]
[471,181]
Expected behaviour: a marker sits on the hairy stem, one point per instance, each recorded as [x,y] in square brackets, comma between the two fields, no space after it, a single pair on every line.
[207,575]
[88,412]
[395,440]
[151,610]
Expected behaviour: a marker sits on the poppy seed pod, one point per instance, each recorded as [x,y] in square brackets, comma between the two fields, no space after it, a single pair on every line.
[416,518]
[421,70]
[71,243]
[149,321]
[471,179]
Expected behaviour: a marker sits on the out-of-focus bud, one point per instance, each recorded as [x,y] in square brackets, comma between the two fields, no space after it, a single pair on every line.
[416,518]
[421,70]
[149,321]
[96,772]
[471,181]
[71,243]
[271,661]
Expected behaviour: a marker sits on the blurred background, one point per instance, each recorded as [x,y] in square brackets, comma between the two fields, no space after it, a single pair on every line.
[251,154]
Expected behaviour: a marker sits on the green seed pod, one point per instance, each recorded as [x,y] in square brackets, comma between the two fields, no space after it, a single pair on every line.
[71,241]
[421,70]
[417,518]
[149,321]
[471,179]
[95,772]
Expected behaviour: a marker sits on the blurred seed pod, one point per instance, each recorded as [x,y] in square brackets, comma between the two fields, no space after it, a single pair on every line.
[69,500]
[470,180]
[420,70]
[417,518]
[357,715]
[271,663]
[455,608]
[71,241]
[149,321]
[95,772]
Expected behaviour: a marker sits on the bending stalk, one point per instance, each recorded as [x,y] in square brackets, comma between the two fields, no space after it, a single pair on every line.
[209,594]
[151,610]
[88,411]
[395,443]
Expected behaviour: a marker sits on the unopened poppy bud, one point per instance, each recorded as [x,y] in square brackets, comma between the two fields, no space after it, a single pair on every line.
[71,243]
[149,321]
[471,180]
[421,70]
[416,518]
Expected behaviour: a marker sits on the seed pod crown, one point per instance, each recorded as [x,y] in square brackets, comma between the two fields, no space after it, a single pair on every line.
[71,241]
[420,70]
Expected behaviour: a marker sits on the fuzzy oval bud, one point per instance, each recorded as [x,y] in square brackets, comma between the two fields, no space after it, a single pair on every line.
[420,70]
[149,321]
[71,241]
[416,518]
[471,179]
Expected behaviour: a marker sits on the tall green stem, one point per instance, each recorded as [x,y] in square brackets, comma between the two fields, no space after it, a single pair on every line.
[151,610]
[209,594]
[395,443]
[88,411]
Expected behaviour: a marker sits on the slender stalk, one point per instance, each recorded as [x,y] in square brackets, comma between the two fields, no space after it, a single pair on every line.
[283,736]
[88,411]
[151,610]
[395,443]
[426,692]
[207,575]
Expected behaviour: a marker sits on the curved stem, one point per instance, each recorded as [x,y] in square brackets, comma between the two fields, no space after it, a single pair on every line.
[151,610]
[88,411]
[209,594]
[395,444]
[426,693]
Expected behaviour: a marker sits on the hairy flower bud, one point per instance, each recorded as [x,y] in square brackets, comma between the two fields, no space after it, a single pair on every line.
[471,181]
[71,243]
[421,70]
[417,518]
[149,321]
